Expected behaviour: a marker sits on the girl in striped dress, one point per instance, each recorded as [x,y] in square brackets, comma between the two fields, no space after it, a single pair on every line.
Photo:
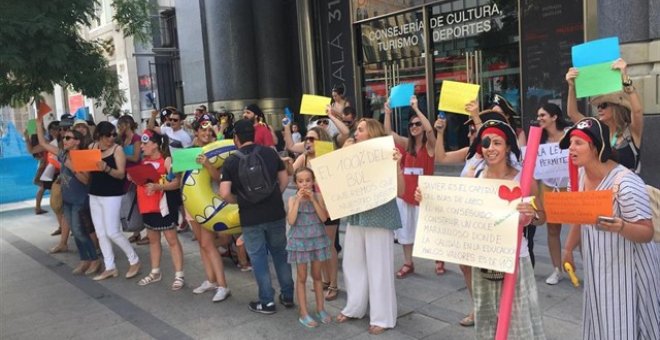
[621,263]
[307,242]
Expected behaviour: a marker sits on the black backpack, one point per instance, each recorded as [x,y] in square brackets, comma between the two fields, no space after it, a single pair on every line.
[257,184]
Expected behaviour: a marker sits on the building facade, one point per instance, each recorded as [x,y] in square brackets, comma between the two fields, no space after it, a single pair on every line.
[232,53]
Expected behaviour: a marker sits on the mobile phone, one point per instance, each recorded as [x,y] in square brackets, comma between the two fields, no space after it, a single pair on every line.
[441,115]
[605,219]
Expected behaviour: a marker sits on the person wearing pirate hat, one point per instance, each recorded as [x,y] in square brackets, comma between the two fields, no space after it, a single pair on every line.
[622,112]
[500,104]
[496,142]
[621,263]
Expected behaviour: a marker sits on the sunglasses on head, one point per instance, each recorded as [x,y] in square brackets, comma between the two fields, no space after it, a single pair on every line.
[411,124]
[603,106]
[67,138]
[310,139]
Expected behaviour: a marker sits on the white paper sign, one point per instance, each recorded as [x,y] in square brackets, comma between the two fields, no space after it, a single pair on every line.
[551,162]
[469,221]
[358,177]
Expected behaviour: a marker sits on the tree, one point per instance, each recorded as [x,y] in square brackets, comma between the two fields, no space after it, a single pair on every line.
[41,46]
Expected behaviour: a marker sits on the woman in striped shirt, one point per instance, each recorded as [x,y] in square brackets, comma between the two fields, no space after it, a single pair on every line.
[621,264]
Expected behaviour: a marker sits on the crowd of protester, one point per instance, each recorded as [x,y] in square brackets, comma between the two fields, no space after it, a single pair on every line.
[621,262]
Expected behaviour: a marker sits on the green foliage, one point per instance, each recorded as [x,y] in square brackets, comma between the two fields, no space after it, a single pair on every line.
[41,46]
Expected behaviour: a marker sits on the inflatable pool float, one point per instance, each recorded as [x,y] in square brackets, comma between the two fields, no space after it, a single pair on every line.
[199,199]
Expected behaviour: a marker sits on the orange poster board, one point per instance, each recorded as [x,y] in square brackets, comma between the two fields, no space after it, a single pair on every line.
[577,207]
[85,160]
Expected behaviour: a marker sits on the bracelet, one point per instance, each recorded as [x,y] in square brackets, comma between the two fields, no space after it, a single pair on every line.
[623,224]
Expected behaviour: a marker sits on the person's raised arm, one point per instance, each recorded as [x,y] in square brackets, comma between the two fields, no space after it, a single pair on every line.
[426,125]
[341,127]
[42,140]
[151,123]
[571,105]
[441,156]
[472,107]
[387,124]
[637,109]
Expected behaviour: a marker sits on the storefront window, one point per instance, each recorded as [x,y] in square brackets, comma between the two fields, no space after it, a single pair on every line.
[365,9]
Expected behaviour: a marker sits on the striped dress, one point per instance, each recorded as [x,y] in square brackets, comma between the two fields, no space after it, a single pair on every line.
[622,278]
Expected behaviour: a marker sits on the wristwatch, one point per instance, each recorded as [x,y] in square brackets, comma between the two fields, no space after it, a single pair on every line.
[627,82]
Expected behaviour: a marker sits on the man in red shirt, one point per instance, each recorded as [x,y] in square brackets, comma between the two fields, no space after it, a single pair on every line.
[262,132]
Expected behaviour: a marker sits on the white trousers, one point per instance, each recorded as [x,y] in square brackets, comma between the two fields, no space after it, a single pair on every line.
[105,215]
[369,275]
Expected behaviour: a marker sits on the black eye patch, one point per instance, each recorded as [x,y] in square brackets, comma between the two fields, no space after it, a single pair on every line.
[485,143]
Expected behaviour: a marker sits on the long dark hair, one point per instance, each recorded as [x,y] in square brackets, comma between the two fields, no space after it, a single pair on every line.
[103,128]
[554,111]
[412,143]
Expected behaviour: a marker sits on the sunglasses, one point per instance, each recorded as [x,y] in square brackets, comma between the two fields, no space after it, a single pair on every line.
[602,106]
[68,138]
[310,139]
[417,124]
[111,134]
[174,120]
[323,121]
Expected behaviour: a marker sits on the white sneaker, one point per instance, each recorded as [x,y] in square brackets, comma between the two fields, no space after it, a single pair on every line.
[554,278]
[205,287]
[220,294]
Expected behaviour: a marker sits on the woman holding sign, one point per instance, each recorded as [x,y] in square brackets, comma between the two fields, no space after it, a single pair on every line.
[622,112]
[105,192]
[417,161]
[159,206]
[496,143]
[74,197]
[621,264]
[369,251]
[551,119]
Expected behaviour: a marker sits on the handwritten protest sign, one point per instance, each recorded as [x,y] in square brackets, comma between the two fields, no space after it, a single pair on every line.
[357,178]
[454,95]
[577,207]
[314,105]
[400,95]
[551,161]
[85,160]
[464,220]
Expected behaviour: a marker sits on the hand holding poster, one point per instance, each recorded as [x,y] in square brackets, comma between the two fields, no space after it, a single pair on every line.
[85,160]
[357,178]
[468,221]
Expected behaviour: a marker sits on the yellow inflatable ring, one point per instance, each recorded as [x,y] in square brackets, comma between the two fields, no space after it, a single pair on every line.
[199,199]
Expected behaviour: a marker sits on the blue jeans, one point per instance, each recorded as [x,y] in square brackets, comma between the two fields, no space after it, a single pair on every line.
[86,248]
[260,239]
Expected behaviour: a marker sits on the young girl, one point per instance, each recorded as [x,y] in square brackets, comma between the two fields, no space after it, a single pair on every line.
[150,196]
[308,242]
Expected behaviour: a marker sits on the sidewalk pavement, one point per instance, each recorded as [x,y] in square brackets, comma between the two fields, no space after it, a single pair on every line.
[40,299]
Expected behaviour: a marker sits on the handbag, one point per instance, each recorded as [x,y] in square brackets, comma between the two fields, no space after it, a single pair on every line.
[129,216]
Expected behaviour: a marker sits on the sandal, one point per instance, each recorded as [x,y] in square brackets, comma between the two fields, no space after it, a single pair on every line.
[332,293]
[439,268]
[142,241]
[324,317]
[405,270]
[134,238]
[376,330]
[326,285]
[178,283]
[467,321]
[149,279]
[308,322]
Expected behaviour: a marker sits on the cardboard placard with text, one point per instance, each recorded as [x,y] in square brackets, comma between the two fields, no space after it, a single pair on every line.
[551,161]
[357,178]
[577,207]
[468,221]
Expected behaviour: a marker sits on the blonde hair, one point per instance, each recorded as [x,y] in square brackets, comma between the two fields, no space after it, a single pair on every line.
[621,117]
[374,127]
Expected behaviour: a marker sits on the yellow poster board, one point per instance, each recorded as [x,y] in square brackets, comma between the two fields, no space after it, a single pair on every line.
[464,221]
[322,147]
[454,95]
[314,105]
[357,178]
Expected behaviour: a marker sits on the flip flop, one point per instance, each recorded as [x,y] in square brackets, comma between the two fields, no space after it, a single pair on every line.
[308,322]
[405,270]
